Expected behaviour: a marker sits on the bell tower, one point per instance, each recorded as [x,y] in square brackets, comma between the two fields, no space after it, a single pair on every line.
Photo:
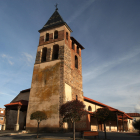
[57,74]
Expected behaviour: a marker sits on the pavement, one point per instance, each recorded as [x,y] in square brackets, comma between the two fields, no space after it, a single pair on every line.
[12,135]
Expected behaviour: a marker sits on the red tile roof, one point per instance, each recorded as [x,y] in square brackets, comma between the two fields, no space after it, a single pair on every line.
[109,107]
[20,102]
[133,114]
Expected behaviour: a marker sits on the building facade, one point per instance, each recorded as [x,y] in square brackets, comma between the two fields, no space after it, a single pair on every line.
[135,116]
[2,115]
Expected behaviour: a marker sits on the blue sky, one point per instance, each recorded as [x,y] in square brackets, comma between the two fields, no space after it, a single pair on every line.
[109,31]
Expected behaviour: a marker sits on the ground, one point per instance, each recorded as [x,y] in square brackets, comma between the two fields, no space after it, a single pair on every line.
[67,136]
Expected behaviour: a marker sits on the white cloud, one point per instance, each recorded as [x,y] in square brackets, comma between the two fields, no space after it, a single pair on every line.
[137,108]
[94,72]
[28,58]
[6,94]
[80,10]
[8,58]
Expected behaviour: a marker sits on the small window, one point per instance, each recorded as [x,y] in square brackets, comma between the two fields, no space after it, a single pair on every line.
[55,34]
[44,54]
[76,62]
[47,37]
[73,45]
[76,97]
[67,35]
[134,119]
[89,108]
[55,52]
[1,118]
[1,111]
[77,49]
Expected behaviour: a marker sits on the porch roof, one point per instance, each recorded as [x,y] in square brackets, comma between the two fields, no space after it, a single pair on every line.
[14,105]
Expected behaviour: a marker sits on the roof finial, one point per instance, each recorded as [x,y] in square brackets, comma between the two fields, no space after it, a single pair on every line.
[56,7]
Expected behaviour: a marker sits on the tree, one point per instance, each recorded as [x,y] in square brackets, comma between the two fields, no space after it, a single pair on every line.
[39,116]
[136,125]
[72,111]
[103,115]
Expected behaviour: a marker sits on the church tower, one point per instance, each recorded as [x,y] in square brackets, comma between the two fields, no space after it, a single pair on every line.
[57,74]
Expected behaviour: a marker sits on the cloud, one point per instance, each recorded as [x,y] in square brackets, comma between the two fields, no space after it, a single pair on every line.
[94,72]
[8,58]
[80,10]
[137,108]
[28,58]
[6,94]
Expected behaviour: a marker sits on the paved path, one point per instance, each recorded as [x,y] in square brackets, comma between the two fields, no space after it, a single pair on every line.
[68,136]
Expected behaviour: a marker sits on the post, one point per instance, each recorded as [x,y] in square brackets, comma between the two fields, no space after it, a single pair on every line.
[123,122]
[73,130]
[17,124]
[117,120]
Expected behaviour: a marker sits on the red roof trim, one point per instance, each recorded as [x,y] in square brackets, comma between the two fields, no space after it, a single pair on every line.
[133,114]
[20,103]
[109,107]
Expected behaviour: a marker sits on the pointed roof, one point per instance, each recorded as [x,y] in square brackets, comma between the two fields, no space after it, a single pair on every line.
[55,20]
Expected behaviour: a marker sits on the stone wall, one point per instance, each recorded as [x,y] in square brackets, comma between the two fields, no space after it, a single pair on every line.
[11,118]
[44,94]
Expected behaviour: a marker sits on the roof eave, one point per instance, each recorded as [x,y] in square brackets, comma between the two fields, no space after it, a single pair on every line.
[54,26]
[72,38]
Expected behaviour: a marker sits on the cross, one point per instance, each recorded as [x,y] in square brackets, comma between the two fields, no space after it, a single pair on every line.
[56,7]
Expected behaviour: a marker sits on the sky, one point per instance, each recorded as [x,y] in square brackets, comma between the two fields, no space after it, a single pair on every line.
[107,29]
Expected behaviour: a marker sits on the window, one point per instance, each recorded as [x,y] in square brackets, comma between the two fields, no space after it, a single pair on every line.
[76,97]
[47,37]
[89,108]
[67,35]
[76,62]
[73,45]
[55,52]
[134,119]
[55,34]
[77,49]
[44,54]
[1,111]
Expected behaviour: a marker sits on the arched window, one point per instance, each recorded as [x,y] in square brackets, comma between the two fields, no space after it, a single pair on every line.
[55,52]
[44,54]
[55,34]
[47,37]
[67,35]
[76,62]
[89,108]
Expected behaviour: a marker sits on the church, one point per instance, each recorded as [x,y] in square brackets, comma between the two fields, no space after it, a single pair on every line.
[57,78]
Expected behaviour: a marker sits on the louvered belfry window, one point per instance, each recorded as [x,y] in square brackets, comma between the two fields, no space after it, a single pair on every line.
[55,34]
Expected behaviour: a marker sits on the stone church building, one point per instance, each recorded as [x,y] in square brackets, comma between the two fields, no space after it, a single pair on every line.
[57,78]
